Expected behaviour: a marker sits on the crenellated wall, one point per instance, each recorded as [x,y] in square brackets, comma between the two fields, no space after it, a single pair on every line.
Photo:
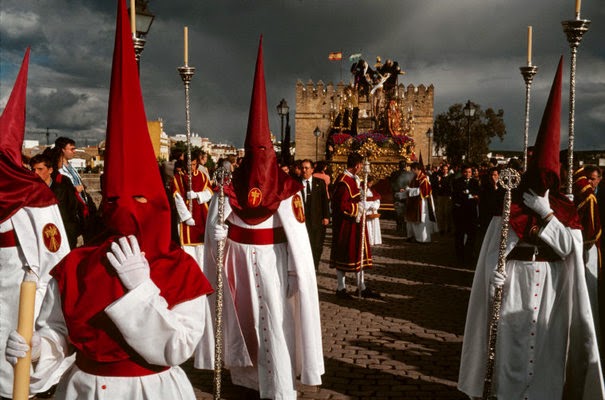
[317,103]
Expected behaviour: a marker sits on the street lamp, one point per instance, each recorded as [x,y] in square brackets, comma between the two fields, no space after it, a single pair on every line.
[143,21]
[429,135]
[469,111]
[317,133]
[282,110]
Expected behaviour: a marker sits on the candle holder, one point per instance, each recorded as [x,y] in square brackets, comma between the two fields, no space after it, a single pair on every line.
[574,30]
[187,73]
[528,73]
[139,45]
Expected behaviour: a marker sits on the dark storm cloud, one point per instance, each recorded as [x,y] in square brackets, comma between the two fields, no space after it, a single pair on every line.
[467,49]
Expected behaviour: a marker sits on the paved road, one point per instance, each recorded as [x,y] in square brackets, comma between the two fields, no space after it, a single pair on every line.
[406,346]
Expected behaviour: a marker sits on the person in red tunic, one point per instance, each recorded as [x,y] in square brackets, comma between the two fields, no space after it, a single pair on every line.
[420,210]
[192,223]
[347,209]
[586,202]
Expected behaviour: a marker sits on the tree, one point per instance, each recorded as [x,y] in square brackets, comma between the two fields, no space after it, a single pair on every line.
[451,132]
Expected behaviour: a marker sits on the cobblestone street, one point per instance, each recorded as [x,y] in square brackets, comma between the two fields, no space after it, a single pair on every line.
[405,346]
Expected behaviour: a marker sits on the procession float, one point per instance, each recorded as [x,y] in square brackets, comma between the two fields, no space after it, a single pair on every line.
[375,117]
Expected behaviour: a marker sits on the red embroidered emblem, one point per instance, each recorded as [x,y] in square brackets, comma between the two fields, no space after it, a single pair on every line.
[298,208]
[51,237]
[255,196]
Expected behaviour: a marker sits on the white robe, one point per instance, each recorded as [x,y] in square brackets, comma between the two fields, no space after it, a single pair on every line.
[545,325]
[161,336]
[268,338]
[202,357]
[374,233]
[28,224]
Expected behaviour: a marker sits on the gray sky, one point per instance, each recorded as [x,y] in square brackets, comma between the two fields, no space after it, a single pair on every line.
[468,49]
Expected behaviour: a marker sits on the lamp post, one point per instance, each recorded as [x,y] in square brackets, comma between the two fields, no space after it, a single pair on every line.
[144,19]
[469,112]
[317,133]
[282,110]
[429,135]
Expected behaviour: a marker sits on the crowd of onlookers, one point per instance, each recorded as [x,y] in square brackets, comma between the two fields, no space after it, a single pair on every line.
[467,196]
[464,197]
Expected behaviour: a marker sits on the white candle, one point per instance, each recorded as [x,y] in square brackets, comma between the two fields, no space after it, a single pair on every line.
[186,48]
[133,13]
[529,34]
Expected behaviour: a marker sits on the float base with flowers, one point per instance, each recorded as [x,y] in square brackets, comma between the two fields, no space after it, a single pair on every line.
[384,151]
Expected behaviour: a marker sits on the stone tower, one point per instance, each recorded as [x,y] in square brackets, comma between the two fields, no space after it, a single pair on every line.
[318,103]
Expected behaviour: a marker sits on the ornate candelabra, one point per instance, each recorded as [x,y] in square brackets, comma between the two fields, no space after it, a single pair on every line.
[139,45]
[222,177]
[362,245]
[186,73]
[509,180]
[574,30]
[528,73]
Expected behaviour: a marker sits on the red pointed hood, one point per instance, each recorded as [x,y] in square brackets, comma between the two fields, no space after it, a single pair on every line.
[12,121]
[19,187]
[546,148]
[543,169]
[87,282]
[130,165]
[259,185]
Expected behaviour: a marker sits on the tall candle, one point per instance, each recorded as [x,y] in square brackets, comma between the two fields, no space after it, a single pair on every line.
[25,327]
[529,33]
[133,13]
[186,48]
[578,4]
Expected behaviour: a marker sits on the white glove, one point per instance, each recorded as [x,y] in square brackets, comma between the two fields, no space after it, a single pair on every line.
[191,195]
[363,205]
[220,232]
[190,222]
[498,278]
[129,262]
[17,347]
[569,196]
[204,196]
[292,285]
[540,205]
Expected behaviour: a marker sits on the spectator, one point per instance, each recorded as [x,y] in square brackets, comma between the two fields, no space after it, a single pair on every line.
[441,184]
[465,195]
[317,209]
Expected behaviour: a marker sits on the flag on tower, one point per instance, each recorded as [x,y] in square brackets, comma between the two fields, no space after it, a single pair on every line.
[335,56]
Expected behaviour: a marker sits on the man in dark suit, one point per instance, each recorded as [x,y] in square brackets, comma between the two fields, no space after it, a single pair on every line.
[465,196]
[317,209]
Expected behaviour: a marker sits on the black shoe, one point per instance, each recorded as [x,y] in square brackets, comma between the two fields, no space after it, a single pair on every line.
[342,294]
[367,293]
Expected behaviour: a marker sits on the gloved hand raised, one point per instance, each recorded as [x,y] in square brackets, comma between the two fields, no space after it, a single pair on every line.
[539,204]
[220,232]
[17,347]
[129,262]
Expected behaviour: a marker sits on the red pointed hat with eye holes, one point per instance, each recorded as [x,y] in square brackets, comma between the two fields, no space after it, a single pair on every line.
[259,185]
[86,280]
